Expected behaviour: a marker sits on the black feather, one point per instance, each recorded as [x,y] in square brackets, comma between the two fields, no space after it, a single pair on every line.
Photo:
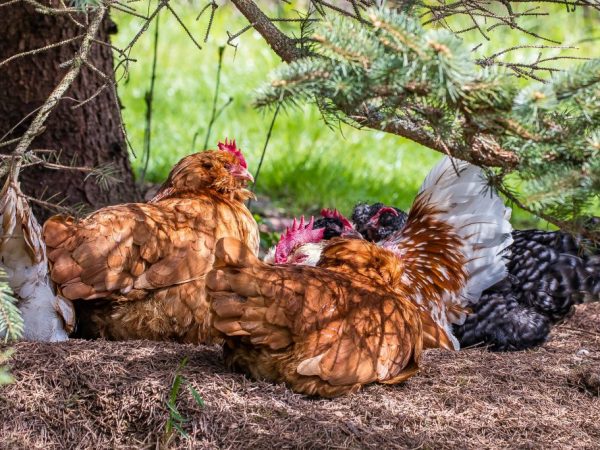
[333,226]
[388,222]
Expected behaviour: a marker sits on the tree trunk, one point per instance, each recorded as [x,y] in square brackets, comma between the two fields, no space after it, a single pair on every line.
[87,136]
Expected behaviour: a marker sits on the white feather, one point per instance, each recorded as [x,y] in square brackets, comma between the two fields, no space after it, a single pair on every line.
[44,314]
[479,216]
[307,254]
[270,256]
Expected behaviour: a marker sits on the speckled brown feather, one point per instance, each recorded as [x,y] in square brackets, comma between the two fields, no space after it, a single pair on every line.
[322,331]
[363,313]
[149,261]
[433,262]
[428,265]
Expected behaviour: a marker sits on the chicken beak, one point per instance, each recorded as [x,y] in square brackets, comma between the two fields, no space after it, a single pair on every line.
[242,173]
[247,176]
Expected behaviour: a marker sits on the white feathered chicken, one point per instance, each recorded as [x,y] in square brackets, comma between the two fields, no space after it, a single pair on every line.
[46,317]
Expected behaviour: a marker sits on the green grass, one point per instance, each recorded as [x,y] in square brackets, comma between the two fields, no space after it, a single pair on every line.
[308,165]
[176,421]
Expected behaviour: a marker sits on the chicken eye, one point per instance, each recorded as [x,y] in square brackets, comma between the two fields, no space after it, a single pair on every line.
[299,259]
[207,165]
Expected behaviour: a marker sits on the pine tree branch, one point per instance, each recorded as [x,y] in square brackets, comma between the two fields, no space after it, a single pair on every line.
[421,84]
[282,45]
[11,322]
[487,151]
[479,149]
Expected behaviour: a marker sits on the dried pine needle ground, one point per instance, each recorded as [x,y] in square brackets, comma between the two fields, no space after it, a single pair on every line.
[114,395]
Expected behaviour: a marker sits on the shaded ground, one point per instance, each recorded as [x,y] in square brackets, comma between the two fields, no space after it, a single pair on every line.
[113,395]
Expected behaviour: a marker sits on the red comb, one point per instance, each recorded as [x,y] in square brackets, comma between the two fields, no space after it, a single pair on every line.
[298,234]
[229,146]
[335,214]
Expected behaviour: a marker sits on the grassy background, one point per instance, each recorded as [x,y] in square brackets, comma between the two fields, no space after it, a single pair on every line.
[308,165]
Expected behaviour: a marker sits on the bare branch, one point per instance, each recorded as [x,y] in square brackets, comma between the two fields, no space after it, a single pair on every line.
[11,2]
[148,99]
[51,11]
[53,99]
[281,44]
[9,142]
[20,122]
[129,11]
[232,36]
[213,8]
[145,26]
[39,50]
[58,207]
[170,8]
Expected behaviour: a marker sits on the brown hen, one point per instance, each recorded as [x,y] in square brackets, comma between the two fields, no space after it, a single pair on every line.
[137,271]
[320,331]
[364,313]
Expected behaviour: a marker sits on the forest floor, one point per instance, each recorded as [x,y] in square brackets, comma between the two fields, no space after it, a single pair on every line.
[115,394]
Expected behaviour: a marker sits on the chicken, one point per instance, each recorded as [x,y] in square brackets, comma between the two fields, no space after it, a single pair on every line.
[311,237]
[549,272]
[137,271]
[46,317]
[362,313]
[299,234]
[377,221]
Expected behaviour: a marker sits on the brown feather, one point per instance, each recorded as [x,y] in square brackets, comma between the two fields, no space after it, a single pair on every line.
[57,230]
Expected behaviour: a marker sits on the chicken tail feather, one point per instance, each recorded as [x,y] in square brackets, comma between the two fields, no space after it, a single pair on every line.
[434,336]
[453,243]
[478,215]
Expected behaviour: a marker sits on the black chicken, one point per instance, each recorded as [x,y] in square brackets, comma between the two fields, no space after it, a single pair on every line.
[377,221]
[549,272]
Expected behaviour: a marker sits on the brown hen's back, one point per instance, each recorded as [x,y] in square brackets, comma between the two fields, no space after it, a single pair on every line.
[320,331]
[137,271]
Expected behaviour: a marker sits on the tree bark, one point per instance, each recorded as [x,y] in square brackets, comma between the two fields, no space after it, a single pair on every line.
[87,136]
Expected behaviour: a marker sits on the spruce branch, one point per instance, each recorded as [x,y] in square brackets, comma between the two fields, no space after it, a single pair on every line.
[281,44]
[11,322]
[370,69]
[399,57]
[398,77]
